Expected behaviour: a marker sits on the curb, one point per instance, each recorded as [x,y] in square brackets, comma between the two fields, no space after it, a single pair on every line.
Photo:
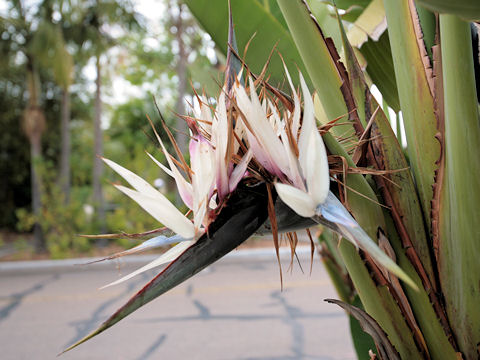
[264,254]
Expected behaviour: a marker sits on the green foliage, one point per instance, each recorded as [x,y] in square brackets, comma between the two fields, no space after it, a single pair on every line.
[44,31]
[49,36]
[262,28]
[60,223]
[467,9]
[14,152]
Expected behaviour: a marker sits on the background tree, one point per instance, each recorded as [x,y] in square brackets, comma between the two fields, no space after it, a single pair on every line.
[97,17]
[58,60]
[24,26]
[64,38]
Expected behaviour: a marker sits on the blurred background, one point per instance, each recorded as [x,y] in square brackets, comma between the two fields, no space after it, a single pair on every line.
[77,79]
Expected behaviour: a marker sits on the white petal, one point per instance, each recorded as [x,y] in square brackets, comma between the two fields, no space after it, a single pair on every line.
[239,171]
[312,154]
[221,142]
[170,255]
[294,171]
[333,210]
[262,128]
[308,123]
[296,104]
[205,111]
[133,179]
[240,131]
[316,170]
[298,200]
[183,186]
[161,166]
[261,155]
[203,178]
[163,211]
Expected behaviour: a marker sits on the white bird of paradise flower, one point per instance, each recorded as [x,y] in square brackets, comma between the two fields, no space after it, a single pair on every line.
[293,154]
[244,138]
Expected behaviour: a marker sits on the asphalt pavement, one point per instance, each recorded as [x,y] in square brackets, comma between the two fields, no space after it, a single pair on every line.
[233,310]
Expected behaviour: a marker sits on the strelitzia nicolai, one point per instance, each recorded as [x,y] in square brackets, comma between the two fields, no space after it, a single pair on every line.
[236,153]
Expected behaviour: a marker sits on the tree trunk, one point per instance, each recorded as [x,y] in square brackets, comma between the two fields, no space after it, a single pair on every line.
[33,126]
[98,151]
[65,182]
[35,159]
[181,69]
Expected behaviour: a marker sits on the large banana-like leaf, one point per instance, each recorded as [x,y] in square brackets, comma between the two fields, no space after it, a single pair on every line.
[262,28]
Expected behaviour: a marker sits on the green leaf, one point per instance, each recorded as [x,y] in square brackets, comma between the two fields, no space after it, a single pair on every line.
[429,28]
[250,18]
[459,234]
[379,303]
[420,301]
[345,4]
[321,67]
[272,7]
[467,9]
[326,19]
[399,191]
[386,154]
[380,69]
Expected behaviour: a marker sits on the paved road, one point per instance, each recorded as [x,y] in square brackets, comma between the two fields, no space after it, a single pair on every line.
[233,310]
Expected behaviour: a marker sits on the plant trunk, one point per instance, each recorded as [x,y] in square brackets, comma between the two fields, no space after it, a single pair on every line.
[35,158]
[65,182]
[98,151]
[33,126]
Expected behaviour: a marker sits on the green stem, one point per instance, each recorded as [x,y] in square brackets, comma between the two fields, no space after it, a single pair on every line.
[416,99]
[459,234]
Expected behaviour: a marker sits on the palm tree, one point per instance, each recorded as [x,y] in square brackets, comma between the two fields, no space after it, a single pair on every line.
[34,34]
[34,126]
[41,32]
[96,41]
[51,35]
